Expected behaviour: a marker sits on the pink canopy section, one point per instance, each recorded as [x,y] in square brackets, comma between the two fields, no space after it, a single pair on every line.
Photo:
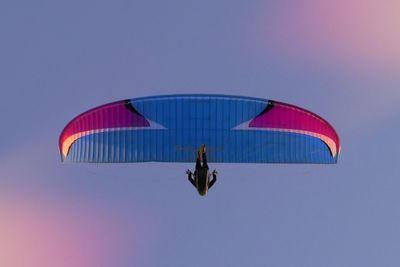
[117,115]
[283,117]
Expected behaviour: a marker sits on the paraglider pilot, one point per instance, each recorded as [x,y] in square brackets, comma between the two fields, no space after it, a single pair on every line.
[201,178]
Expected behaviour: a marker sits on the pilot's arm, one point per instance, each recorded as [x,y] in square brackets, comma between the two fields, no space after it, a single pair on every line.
[190,178]
[214,179]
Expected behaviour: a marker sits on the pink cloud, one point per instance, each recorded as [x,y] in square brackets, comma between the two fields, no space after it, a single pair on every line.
[35,232]
[362,32]
[43,225]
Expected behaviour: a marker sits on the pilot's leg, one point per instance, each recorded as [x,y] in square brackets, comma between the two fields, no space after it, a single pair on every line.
[198,163]
[200,152]
[202,155]
[205,165]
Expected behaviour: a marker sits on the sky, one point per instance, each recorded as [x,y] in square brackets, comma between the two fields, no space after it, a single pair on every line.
[340,59]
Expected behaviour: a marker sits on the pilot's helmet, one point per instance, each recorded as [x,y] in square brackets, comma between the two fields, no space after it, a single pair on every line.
[202,192]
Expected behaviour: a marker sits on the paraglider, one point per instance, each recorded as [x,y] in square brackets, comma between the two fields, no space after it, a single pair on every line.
[171,128]
[201,178]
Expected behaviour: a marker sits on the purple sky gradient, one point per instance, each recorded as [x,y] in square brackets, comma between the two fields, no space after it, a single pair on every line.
[58,59]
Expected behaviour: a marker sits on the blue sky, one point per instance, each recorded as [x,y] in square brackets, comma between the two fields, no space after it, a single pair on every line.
[58,59]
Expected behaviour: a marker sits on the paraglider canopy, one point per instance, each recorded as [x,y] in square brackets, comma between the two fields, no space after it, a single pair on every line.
[170,128]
